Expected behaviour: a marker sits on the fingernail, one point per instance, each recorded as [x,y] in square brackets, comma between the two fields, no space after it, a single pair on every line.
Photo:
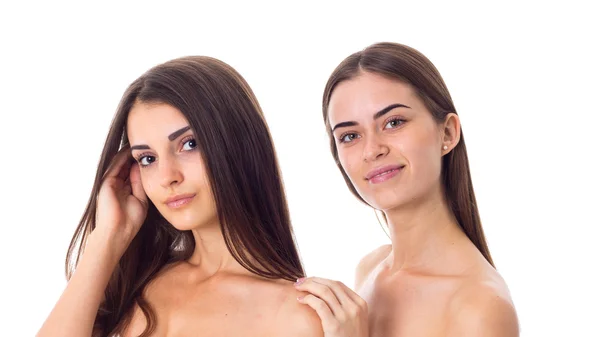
[299,281]
[300,298]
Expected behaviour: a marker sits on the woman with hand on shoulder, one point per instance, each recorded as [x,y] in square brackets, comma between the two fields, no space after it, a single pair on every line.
[397,140]
[187,231]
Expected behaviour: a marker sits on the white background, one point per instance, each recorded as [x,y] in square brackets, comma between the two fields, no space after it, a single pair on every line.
[524,78]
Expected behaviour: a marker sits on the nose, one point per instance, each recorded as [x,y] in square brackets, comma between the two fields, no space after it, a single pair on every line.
[374,148]
[169,172]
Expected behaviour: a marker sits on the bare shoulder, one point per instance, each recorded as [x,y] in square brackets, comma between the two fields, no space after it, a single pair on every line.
[369,262]
[483,307]
[296,319]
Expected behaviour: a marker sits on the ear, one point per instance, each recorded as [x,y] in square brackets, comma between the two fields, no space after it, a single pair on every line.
[451,132]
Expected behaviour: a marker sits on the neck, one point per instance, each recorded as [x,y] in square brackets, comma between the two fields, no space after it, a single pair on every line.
[423,233]
[211,255]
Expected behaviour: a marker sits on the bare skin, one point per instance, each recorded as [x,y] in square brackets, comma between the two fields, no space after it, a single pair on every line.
[210,294]
[431,280]
[225,304]
[342,312]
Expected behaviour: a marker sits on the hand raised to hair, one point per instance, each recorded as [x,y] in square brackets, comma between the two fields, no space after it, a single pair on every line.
[122,203]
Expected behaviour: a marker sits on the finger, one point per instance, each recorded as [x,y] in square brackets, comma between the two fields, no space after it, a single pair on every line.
[116,165]
[319,306]
[125,171]
[336,287]
[137,188]
[115,159]
[345,295]
[323,292]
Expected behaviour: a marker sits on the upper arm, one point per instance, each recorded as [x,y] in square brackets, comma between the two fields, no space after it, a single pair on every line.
[486,314]
[368,262]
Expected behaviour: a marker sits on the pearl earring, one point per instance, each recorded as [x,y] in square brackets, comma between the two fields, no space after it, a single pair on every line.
[445,147]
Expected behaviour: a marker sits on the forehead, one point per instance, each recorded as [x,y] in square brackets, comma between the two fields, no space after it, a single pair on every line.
[147,119]
[366,94]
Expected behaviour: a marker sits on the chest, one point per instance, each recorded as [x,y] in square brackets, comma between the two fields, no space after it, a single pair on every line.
[408,306]
[211,313]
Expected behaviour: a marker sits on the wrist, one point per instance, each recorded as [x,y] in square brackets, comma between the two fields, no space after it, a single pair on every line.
[107,245]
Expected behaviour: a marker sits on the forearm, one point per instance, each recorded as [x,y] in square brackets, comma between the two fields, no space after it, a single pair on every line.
[75,312]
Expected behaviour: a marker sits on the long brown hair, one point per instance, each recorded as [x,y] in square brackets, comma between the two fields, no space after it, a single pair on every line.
[237,149]
[403,63]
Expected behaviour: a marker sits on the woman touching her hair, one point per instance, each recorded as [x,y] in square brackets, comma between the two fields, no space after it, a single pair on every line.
[397,140]
[187,230]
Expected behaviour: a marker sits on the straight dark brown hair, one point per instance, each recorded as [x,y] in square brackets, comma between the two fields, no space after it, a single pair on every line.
[241,163]
[405,64]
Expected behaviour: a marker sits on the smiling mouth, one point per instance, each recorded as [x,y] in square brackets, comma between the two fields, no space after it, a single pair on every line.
[385,175]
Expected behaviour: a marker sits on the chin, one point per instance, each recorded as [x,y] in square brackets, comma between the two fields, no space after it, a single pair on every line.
[186,222]
[180,226]
[389,199]
[384,204]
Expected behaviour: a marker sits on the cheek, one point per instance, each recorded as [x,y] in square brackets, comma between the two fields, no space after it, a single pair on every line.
[425,156]
[350,159]
[426,160]
[198,179]
[194,173]
[148,183]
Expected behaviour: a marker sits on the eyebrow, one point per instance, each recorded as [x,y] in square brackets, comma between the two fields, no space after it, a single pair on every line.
[377,115]
[171,137]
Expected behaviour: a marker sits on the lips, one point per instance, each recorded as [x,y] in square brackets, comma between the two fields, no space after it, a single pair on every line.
[383,173]
[179,200]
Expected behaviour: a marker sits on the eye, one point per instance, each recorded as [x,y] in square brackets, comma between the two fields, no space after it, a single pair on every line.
[393,123]
[348,137]
[189,144]
[145,160]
